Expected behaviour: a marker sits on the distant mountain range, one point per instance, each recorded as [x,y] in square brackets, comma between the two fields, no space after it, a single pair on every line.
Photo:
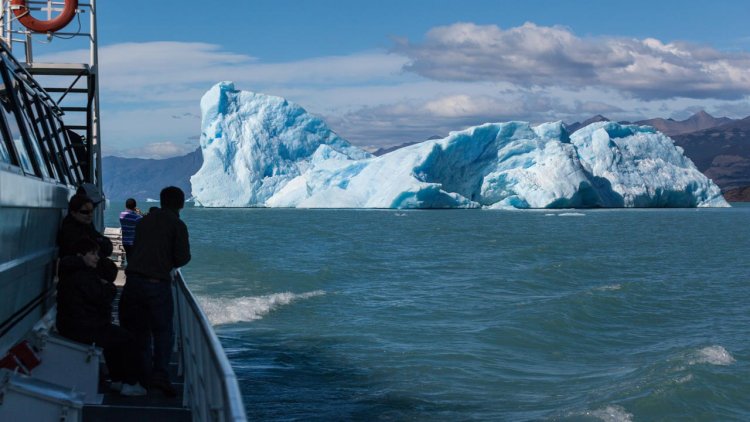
[144,178]
[670,127]
[382,151]
[698,121]
[719,147]
[575,126]
[722,153]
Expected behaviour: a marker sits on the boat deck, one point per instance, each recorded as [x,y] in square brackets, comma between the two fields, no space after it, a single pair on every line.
[118,253]
[154,406]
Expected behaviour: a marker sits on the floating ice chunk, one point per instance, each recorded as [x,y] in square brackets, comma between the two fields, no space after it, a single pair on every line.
[640,167]
[253,145]
[263,151]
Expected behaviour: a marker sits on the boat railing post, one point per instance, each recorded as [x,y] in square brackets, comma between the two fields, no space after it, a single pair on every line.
[178,333]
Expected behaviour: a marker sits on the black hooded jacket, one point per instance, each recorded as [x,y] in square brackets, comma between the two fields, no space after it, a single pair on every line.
[161,244]
[71,230]
[84,301]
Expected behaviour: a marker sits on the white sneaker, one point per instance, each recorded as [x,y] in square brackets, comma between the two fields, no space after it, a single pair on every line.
[115,386]
[133,390]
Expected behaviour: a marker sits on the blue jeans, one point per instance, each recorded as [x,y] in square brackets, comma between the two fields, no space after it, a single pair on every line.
[146,310]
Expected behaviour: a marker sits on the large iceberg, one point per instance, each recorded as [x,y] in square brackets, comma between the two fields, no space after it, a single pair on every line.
[263,151]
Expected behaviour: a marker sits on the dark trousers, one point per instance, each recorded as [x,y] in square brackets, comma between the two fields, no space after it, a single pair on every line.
[128,251]
[119,351]
[146,309]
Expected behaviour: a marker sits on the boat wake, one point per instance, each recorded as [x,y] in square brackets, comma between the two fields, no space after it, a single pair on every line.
[222,310]
[611,414]
[712,355]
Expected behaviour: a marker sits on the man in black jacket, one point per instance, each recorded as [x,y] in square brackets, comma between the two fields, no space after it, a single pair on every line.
[146,306]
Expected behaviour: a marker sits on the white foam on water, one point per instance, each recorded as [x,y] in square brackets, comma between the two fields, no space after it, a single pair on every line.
[683,380]
[572,214]
[713,355]
[248,308]
[609,287]
[611,414]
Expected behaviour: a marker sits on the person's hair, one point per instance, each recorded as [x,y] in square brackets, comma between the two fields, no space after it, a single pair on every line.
[78,201]
[85,245]
[172,197]
[130,204]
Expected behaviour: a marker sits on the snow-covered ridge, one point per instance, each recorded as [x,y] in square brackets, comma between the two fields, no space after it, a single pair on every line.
[263,151]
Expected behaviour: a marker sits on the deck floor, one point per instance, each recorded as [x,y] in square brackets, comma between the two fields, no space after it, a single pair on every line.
[154,406]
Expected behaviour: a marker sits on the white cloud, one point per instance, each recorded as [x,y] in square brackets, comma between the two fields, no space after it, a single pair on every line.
[177,71]
[158,150]
[418,118]
[461,75]
[554,56]
[145,86]
[132,129]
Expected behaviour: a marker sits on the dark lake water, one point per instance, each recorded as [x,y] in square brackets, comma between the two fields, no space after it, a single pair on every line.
[593,315]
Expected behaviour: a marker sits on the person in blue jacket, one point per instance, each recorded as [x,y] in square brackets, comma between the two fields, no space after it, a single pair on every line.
[128,219]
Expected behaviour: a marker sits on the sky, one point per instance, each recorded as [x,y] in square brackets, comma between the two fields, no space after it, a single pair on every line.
[386,72]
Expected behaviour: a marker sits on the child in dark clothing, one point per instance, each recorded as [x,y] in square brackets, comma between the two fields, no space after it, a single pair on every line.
[84,314]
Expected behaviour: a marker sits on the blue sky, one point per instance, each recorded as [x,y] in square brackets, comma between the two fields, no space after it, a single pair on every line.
[386,72]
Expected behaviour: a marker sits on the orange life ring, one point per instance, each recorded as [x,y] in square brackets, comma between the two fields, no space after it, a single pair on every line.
[22,13]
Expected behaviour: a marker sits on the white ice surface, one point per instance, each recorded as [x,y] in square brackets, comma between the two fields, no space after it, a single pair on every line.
[263,151]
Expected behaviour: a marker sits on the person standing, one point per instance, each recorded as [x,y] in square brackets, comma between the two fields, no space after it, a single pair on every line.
[146,306]
[128,219]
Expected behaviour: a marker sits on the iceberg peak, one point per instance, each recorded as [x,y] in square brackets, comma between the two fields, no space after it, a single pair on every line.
[254,144]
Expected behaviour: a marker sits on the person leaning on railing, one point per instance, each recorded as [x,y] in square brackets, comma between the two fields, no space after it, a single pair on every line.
[146,306]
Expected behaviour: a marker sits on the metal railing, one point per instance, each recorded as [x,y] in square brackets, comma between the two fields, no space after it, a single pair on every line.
[210,390]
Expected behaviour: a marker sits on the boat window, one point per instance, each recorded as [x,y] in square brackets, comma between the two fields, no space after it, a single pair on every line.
[15,134]
[34,112]
[6,143]
[67,157]
[56,144]
[5,147]
[34,136]
[27,149]
[4,153]
[78,147]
